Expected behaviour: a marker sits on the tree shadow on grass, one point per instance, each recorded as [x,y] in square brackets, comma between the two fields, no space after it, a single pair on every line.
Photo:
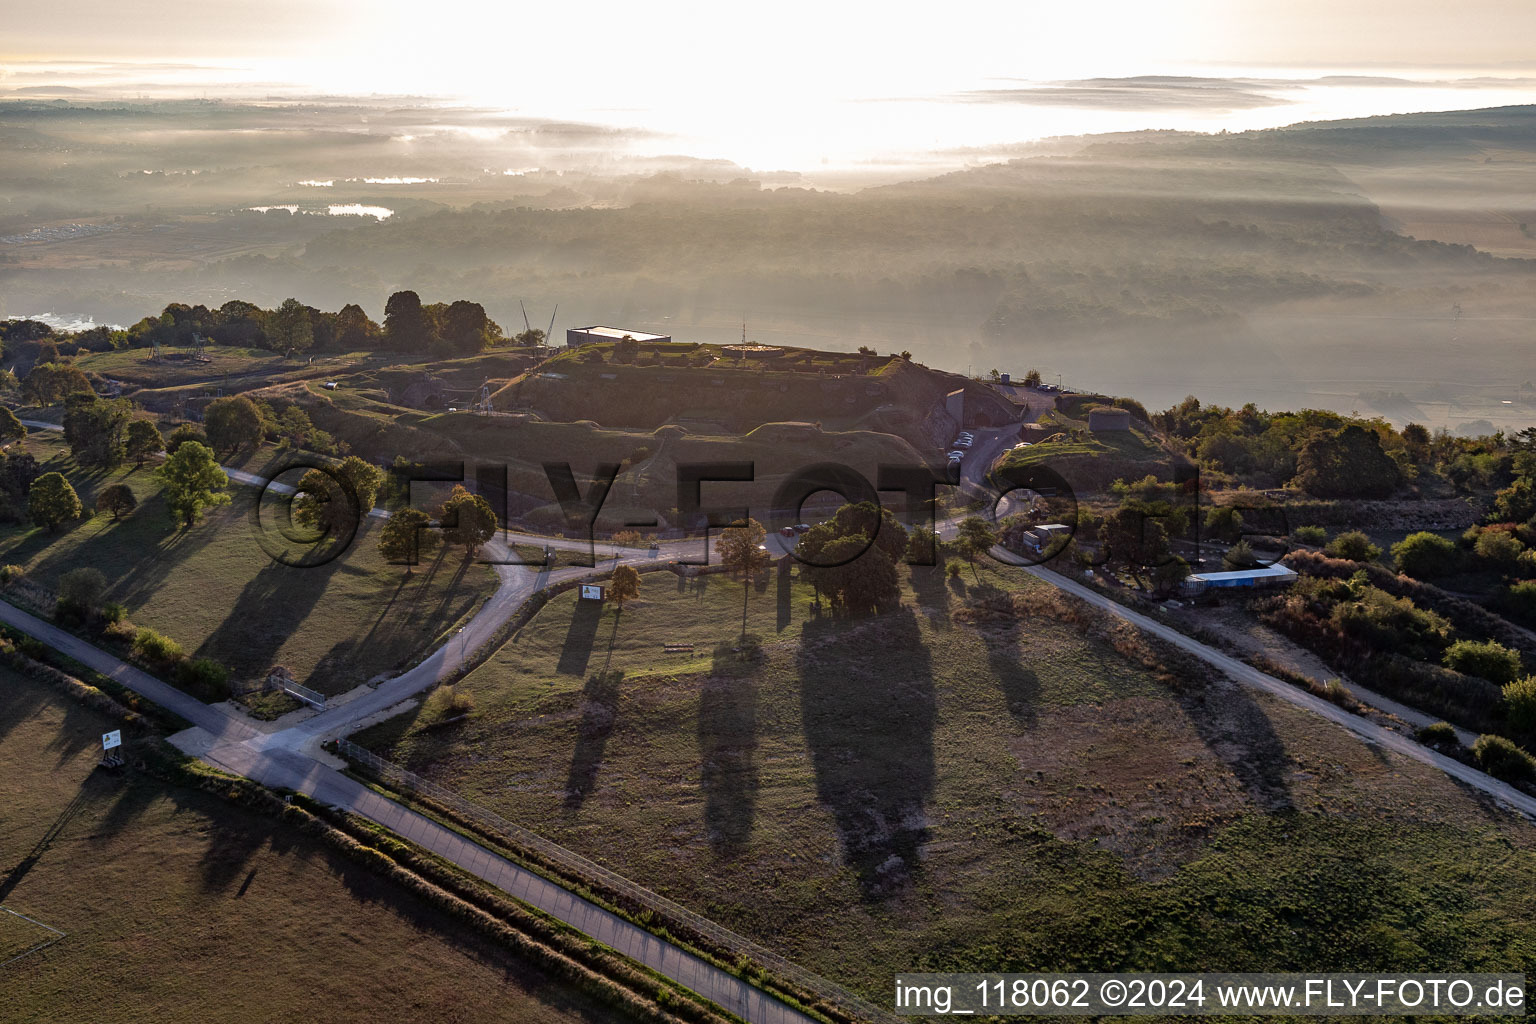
[1237,730]
[783,596]
[137,553]
[727,742]
[80,730]
[933,596]
[579,638]
[599,708]
[270,609]
[45,841]
[234,837]
[869,710]
[19,703]
[1019,684]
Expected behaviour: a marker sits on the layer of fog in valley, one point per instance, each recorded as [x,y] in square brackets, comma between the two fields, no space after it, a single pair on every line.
[1380,266]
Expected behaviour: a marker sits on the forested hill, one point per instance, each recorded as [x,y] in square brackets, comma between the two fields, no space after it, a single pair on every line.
[1180,229]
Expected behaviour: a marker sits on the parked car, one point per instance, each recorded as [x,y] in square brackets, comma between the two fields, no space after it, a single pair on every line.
[956,456]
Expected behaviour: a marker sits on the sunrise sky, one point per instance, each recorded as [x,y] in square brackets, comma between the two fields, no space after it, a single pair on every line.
[797,83]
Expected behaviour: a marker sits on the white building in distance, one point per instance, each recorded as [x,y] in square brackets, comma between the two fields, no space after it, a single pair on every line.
[575,337]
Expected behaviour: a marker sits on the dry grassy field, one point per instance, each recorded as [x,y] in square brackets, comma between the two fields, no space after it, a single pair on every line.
[922,791]
[179,905]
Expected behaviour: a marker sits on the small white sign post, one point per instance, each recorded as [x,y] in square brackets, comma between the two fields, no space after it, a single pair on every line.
[110,741]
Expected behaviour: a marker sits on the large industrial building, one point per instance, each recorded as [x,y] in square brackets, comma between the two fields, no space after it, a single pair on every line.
[575,337]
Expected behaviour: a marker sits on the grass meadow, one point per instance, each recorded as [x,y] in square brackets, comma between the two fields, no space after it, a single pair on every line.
[925,790]
[216,591]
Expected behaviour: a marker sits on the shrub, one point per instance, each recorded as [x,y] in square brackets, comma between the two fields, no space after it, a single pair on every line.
[1440,735]
[628,539]
[113,612]
[1503,760]
[1353,546]
[1313,535]
[1520,704]
[1423,555]
[447,702]
[1387,623]
[1240,556]
[11,572]
[82,588]
[1224,523]
[1488,660]
[1518,601]
[203,678]
[1498,547]
[156,647]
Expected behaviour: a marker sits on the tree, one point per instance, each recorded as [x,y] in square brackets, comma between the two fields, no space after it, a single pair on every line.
[316,504]
[182,434]
[1169,574]
[1424,555]
[468,519]
[1134,540]
[976,537]
[406,536]
[11,428]
[17,473]
[52,501]
[82,588]
[232,423]
[192,482]
[742,552]
[289,329]
[94,428]
[1032,379]
[1346,464]
[366,480]
[1224,523]
[238,322]
[466,329]
[406,326]
[143,440]
[117,499]
[46,383]
[1515,503]
[625,585]
[857,576]
[353,328]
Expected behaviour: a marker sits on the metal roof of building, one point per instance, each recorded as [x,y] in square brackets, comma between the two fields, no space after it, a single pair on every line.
[1268,572]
